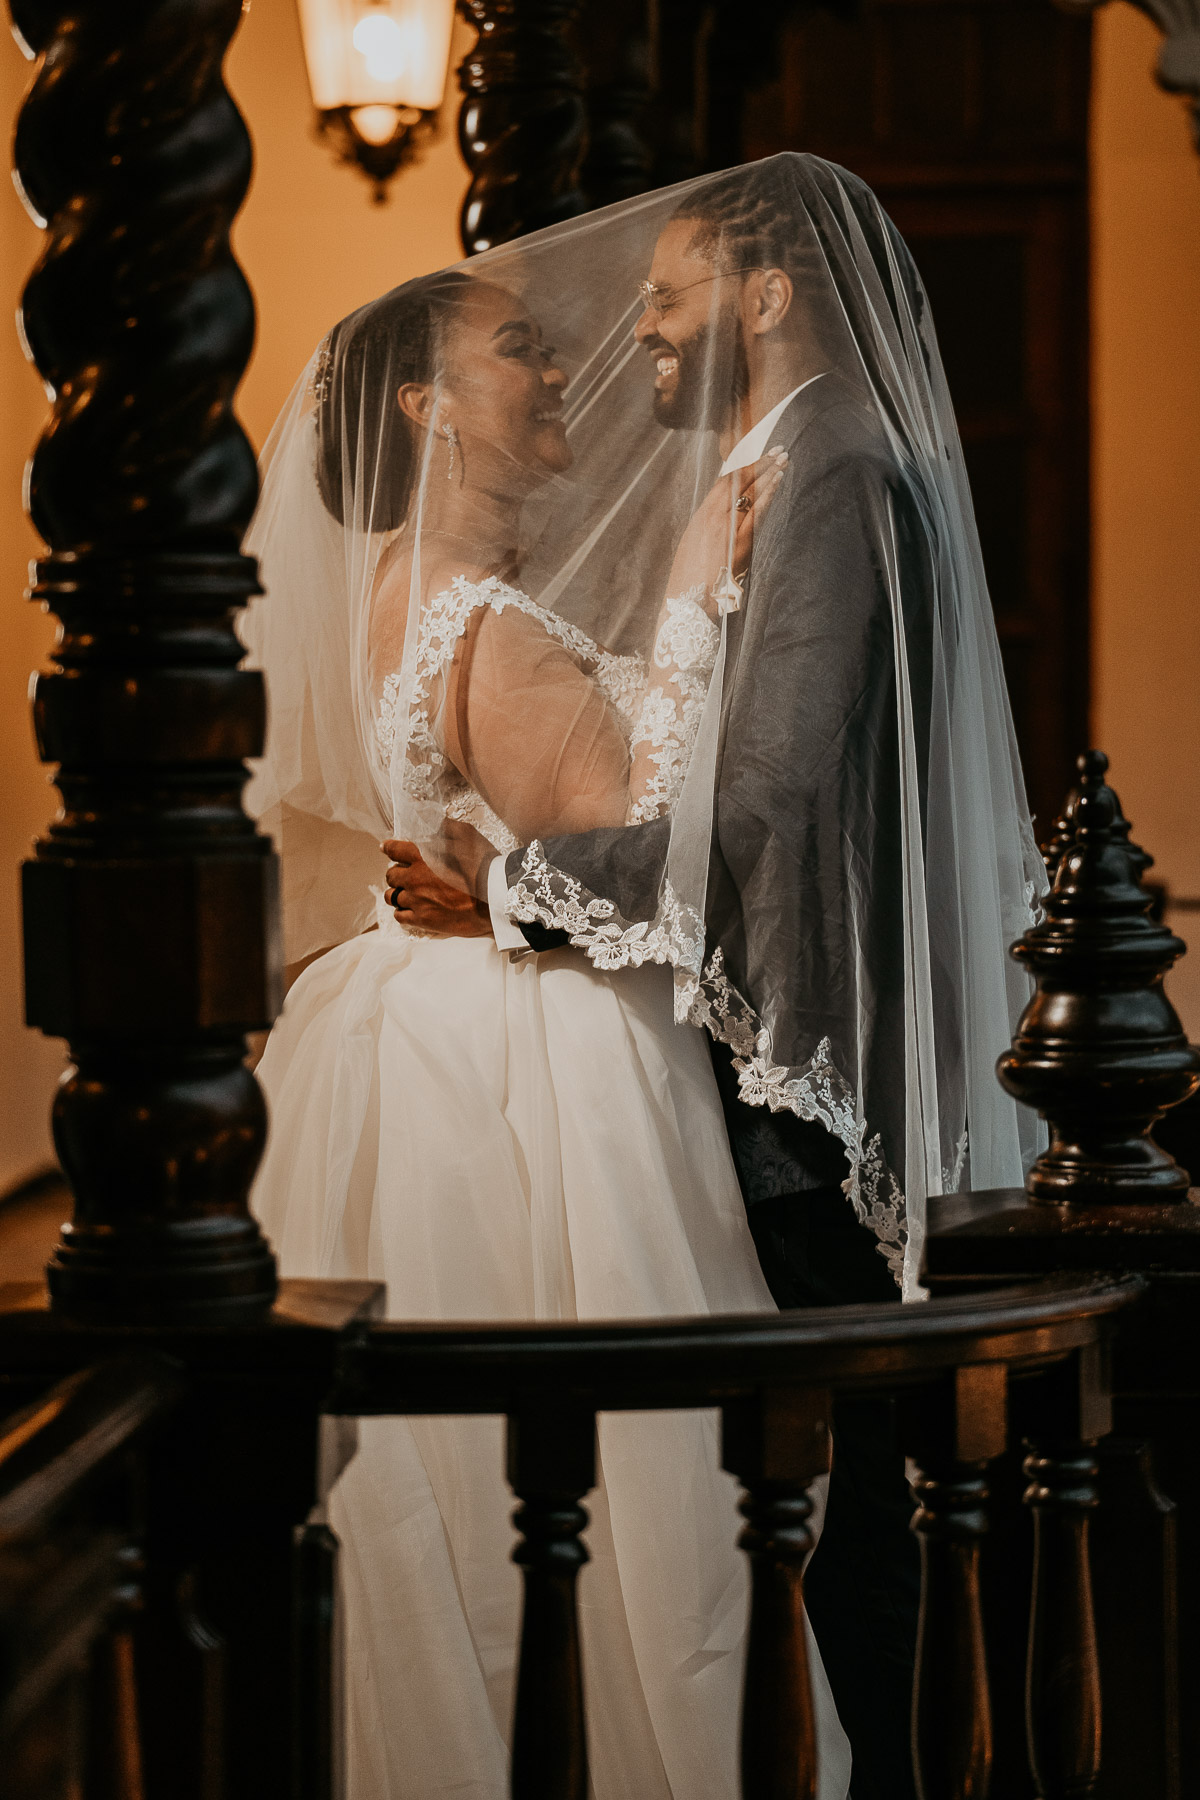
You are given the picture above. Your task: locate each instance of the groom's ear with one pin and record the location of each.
(415, 400)
(771, 298)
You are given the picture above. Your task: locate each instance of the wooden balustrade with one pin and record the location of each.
(952, 1368)
(777, 1379)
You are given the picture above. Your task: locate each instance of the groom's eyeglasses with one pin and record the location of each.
(660, 300)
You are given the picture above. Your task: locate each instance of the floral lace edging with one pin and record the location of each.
(706, 997)
(685, 651)
(545, 896)
(819, 1093)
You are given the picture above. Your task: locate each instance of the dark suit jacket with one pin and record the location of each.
(804, 890)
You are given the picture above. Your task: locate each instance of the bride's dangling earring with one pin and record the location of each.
(451, 437)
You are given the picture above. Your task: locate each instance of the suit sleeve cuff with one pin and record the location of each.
(507, 935)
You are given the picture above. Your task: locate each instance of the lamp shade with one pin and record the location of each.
(377, 70)
(377, 52)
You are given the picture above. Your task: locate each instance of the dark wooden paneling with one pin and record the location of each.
(969, 118)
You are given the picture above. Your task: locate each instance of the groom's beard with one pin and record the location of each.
(713, 378)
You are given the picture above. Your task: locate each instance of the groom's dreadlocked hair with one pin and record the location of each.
(749, 216)
(788, 212)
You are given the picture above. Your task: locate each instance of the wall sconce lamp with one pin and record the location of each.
(377, 70)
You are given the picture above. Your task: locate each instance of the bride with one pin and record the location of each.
(496, 1138)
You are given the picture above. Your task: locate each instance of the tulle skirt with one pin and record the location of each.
(520, 1139)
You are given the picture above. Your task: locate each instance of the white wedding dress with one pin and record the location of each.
(520, 1138)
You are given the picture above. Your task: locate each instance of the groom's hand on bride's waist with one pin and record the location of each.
(424, 900)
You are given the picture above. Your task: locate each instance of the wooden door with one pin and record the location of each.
(969, 119)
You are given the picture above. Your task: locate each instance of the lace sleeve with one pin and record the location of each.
(530, 726)
(664, 733)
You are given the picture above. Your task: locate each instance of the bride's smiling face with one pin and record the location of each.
(503, 392)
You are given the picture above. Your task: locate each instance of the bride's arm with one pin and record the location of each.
(533, 733)
(700, 588)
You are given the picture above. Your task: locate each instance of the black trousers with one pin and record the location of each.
(862, 1584)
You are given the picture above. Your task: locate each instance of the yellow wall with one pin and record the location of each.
(310, 237)
(1146, 449)
(315, 246)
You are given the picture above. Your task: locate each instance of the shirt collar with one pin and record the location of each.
(749, 449)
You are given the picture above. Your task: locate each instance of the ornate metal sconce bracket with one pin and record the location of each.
(1178, 68)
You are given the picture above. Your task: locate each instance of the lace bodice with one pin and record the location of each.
(684, 654)
(661, 719)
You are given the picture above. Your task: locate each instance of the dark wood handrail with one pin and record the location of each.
(777, 1379)
(54, 1447)
(394, 1367)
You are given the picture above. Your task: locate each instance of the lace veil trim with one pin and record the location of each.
(705, 996)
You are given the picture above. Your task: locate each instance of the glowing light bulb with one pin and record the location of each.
(380, 42)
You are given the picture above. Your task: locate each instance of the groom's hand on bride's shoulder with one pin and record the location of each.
(423, 900)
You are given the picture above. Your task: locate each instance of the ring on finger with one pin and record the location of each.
(743, 503)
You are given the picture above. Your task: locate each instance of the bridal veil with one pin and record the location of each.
(825, 832)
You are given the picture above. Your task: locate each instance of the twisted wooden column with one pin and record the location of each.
(149, 902)
(523, 126)
(615, 45)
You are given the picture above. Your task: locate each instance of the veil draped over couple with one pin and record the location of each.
(623, 584)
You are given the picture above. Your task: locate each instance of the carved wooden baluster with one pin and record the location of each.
(952, 1727)
(954, 1434)
(551, 1466)
(1134, 1542)
(314, 1687)
(1071, 1405)
(148, 906)
(114, 1762)
(523, 125)
(777, 1445)
(1062, 1696)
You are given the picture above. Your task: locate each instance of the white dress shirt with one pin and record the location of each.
(746, 451)
(757, 440)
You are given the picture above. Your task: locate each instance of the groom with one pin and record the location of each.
(716, 321)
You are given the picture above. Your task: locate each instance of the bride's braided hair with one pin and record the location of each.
(360, 427)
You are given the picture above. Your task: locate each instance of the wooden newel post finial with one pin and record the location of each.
(149, 903)
(1100, 1051)
(1092, 767)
